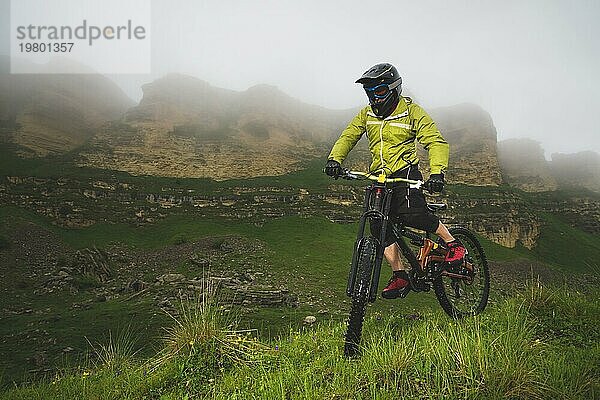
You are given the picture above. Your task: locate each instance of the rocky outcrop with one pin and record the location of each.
(56, 113)
(183, 127)
(229, 289)
(93, 262)
(512, 231)
(524, 166)
(577, 170)
(500, 215)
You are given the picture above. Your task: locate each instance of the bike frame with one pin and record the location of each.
(428, 266)
(376, 208)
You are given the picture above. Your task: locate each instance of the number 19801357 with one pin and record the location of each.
(45, 47)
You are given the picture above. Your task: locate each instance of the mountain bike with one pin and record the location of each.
(460, 290)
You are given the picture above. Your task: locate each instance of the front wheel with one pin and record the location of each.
(360, 294)
(465, 296)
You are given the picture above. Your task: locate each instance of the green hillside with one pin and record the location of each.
(299, 250)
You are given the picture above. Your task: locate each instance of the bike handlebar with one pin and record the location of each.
(381, 178)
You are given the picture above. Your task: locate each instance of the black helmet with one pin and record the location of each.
(383, 86)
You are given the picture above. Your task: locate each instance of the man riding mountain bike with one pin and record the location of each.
(392, 124)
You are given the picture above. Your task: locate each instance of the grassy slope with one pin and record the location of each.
(566, 247)
(317, 262)
(314, 266)
(539, 345)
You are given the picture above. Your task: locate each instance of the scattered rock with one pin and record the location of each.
(310, 319)
(62, 274)
(227, 247)
(171, 278)
(200, 262)
(261, 296)
(100, 298)
(40, 359)
(136, 285)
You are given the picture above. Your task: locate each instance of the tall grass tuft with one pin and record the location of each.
(201, 323)
(118, 353)
(203, 342)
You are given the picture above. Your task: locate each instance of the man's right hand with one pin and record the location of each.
(435, 183)
(333, 168)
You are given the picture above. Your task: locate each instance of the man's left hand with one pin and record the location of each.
(435, 183)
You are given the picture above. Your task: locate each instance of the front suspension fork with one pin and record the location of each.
(373, 213)
(357, 244)
(381, 247)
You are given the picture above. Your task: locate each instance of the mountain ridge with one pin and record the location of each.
(56, 113)
(525, 167)
(185, 127)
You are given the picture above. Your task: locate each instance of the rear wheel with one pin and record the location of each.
(461, 294)
(360, 294)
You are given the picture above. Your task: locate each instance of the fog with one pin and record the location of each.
(531, 64)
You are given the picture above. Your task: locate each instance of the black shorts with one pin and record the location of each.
(408, 207)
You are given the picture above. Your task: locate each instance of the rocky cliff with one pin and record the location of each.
(184, 127)
(524, 165)
(56, 113)
(577, 170)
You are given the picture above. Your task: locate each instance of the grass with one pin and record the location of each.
(317, 261)
(66, 327)
(566, 247)
(4, 243)
(511, 351)
(315, 252)
(497, 252)
(85, 282)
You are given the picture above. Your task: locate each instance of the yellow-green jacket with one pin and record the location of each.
(392, 140)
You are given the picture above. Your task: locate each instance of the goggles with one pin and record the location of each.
(381, 91)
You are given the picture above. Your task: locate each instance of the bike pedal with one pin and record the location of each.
(404, 292)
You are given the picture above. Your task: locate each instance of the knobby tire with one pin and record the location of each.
(360, 294)
(482, 273)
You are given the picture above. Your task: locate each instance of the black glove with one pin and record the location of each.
(435, 183)
(333, 168)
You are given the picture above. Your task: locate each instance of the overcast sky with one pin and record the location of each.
(533, 65)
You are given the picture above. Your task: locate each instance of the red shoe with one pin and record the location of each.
(456, 253)
(397, 282)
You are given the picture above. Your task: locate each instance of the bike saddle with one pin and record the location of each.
(433, 207)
